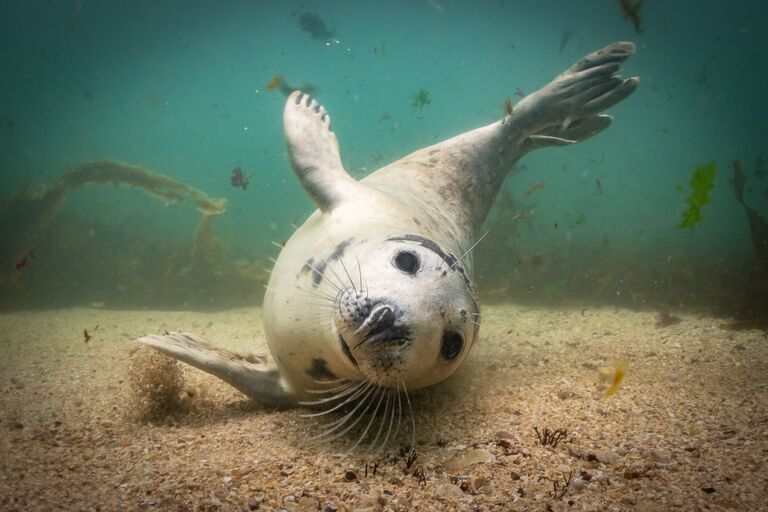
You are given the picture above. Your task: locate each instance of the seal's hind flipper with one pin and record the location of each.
(255, 380)
(569, 107)
(577, 131)
(314, 152)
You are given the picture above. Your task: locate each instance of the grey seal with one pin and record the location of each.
(373, 296)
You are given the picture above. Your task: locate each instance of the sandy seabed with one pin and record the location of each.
(687, 430)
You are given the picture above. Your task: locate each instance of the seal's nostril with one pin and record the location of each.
(381, 318)
(384, 319)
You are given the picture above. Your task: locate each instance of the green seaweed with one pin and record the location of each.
(702, 182)
(421, 99)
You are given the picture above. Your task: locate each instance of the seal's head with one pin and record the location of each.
(411, 318)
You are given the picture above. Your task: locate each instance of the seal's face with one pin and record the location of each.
(408, 317)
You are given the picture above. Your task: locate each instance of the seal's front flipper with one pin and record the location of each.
(314, 151)
(567, 110)
(255, 380)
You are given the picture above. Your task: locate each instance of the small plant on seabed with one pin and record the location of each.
(420, 476)
(559, 489)
(374, 467)
(551, 437)
(408, 455)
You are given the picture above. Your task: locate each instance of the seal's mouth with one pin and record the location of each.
(375, 332)
(347, 352)
(394, 338)
(391, 340)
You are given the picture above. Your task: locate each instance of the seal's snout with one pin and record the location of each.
(379, 333)
(372, 329)
(381, 318)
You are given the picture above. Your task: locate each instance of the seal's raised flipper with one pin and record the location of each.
(314, 151)
(567, 110)
(254, 380)
(577, 131)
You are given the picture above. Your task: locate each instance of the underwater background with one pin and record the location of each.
(193, 90)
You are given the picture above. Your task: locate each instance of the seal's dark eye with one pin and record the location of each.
(451, 345)
(407, 261)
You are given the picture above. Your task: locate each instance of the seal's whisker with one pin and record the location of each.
(363, 284)
(440, 263)
(399, 410)
(380, 392)
(395, 394)
(322, 305)
(470, 249)
(316, 323)
(354, 391)
(389, 408)
(328, 304)
(314, 293)
(360, 274)
(413, 420)
(344, 419)
(384, 416)
(323, 295)
(324, 391)
(335, 285)
(368, 403)
(334, 381)
(290, 279)
(339, 279)
(341, 260)
(315, 326)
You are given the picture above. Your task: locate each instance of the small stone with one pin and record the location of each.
(448, 491)
(253, 504)
(662, 459)
(330, 508)
(607, 457)
(578, 484)
(478, 483)
(633, 473)
(459, 462)
(307, 503)
(503, 434)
